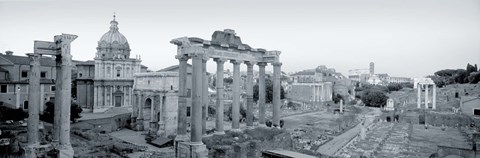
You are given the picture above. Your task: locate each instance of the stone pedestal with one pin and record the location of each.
(65, 151)
(191, 150)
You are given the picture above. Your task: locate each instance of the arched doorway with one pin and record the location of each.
(147, 113)
(389, 119)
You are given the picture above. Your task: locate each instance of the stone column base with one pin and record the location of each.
(191, 150)
(236, 130)
(65, 151)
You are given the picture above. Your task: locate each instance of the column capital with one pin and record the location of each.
(277, 64)
(236, 62)
(182, 57)
(34, 58)
(262, 64)
(250, 63)
(220, 60)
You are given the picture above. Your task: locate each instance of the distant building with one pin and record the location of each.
(114, 71)
(313, 85)
(14, 75)
(470, 105)
(369, 76)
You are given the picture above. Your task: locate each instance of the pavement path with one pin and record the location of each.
(334, 145)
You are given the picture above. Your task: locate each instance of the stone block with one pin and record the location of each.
(191, 150)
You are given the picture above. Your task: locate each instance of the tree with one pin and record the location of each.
(474, 77)
(374, 98)
(49, 113)
(268, 90)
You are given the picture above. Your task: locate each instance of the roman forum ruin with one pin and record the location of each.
(424, 83)
(224, 46)
(60, 48)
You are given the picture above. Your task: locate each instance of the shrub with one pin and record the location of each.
(12, 114)
(49, 113)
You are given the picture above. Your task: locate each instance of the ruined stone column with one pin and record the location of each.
(236, 95)
(419, 95)
(141, 103)
(58, 101)
(204, 95)
(182, 98)
(261, 92)
(249, 93)
(34, 105)
(219, 85)
(426, 96)
(196, 108)
(276, 93)
(434, 97)
(65, 149)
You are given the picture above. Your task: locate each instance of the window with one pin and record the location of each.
(118, 73)
(24, 74)
(80, 74)
(188, 111)
(476, 112)
(52, 88)
(3, 88)
(43, 74)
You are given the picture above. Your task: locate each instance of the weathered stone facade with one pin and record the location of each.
(156, 102)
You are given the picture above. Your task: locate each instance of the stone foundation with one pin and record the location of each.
(191, 150)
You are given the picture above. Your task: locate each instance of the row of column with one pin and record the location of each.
(200, 95)
(434, 95)
(101, 93)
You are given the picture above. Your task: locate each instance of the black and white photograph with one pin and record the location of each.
(239, 79)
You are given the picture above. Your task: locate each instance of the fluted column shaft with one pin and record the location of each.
(276, 93)
(249, 93)
(236, 95)
(261, 92)
(220, 90)
(182, 95)
(204, 95)
(196, 108)
(33, 101)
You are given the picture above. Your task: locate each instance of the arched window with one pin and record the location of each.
(118, 72)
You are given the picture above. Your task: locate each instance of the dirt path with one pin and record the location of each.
(334, 145)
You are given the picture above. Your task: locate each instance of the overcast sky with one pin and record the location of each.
(403, 37)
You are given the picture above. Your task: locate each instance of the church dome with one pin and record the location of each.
(113, 45)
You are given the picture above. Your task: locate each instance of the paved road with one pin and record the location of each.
(334, 145)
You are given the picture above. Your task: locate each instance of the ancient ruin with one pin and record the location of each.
(224, 46)
(60, 48)
(424, 83)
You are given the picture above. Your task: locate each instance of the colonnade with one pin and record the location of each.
(200, 94)
(434, 95)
